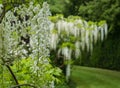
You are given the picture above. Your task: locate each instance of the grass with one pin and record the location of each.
(86, 77)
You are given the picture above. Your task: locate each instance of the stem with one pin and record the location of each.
(24, 85)
(13, 75)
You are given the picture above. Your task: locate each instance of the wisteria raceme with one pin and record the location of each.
(66, 52)
(40, 37)
(54, 40)
(77, 50)
(9, 36)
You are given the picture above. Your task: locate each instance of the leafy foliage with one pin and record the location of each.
(99, 10)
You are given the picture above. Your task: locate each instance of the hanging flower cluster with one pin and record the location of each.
(86, 34)
(74, 35)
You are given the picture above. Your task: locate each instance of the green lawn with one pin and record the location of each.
(86, 77)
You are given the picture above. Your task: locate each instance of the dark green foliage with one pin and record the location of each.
(106, 54)
(74, 6)
(58, 6)
(108, 10)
